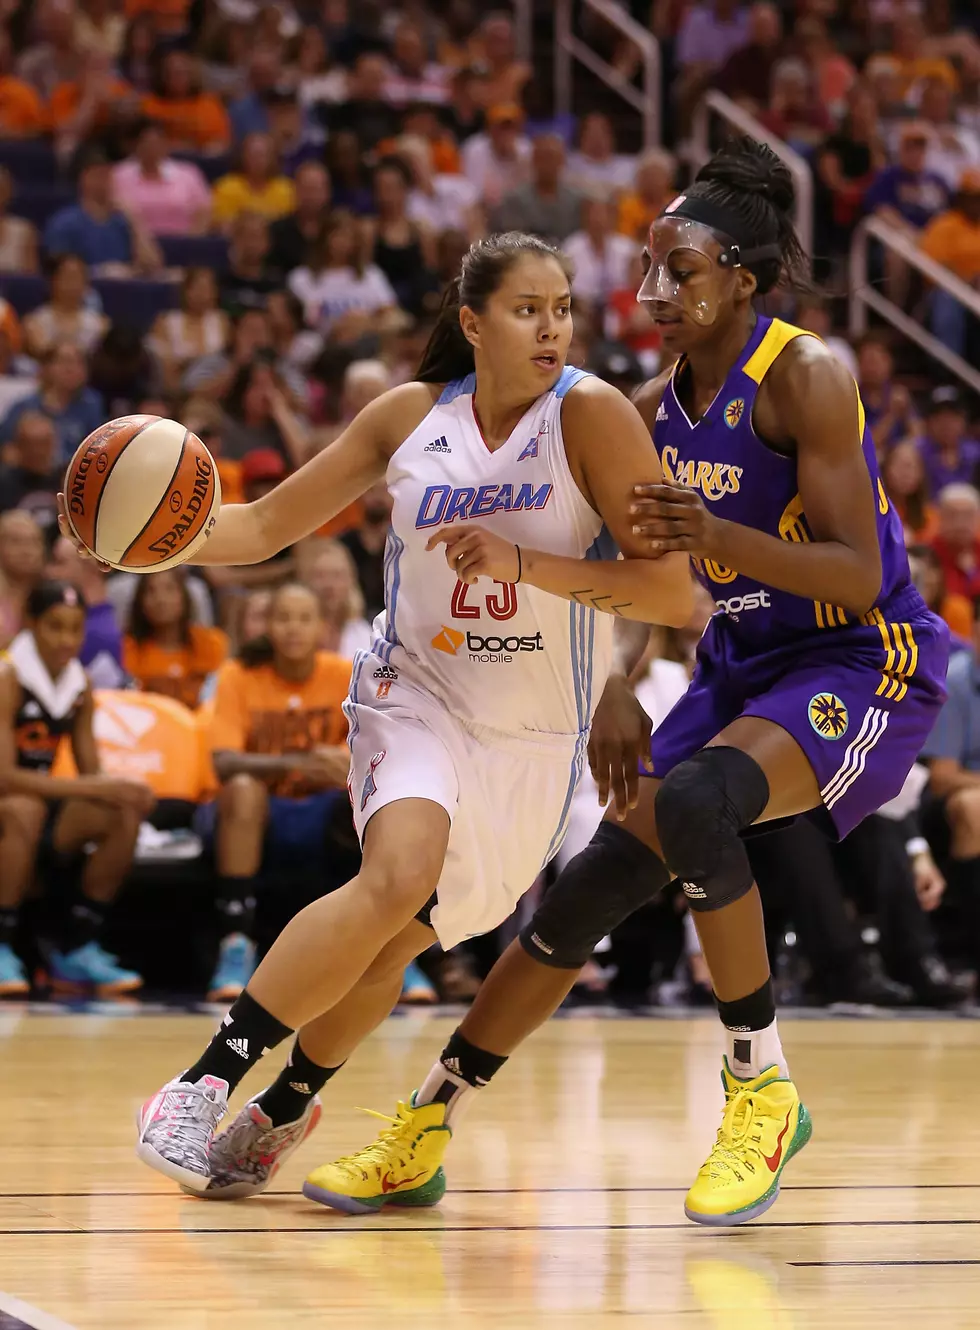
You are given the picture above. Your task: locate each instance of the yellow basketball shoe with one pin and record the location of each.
(763, 1127)
(402, 1167)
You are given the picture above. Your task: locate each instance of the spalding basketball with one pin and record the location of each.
(142, 493)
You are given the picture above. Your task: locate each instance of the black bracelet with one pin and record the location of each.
(520, 563)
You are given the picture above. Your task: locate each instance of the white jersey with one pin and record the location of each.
(509, 657)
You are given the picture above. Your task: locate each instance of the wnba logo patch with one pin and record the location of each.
(734, 411)
(370, 785)
(828, 715)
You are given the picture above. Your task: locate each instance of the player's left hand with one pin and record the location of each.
(929, 882)
(670, 517)
(619, 742)
(472, 552)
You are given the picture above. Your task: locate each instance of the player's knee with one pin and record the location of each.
(398, 886)
(244, 798)
(702, 806)
(613, 876)
(23, 816)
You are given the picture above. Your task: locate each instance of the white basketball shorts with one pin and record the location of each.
(508, 797)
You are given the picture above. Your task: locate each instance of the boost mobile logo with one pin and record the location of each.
(489, 650)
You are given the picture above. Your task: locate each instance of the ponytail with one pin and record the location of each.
(447, 355)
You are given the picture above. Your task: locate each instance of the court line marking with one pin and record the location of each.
(30, 1318)
(524, 1191)
(810, 1264)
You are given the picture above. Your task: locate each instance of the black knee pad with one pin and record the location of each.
(613, 876)
(702, 806)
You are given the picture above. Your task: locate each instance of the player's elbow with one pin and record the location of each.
(675, 605)
(863, 588)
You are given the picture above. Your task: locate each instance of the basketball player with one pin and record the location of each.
(816, 685)
(469, 718)
(45, 697)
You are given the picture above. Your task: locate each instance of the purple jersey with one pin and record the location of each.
(742, 480)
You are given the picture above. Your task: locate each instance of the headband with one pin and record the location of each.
(740, 252)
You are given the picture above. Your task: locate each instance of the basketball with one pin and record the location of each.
(142, 493)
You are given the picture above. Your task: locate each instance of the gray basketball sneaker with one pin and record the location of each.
(176, 1127)
(246, 1157)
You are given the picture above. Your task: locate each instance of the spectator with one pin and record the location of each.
(18, 238)
(64, 397)
(95, 229)
(746, 75)
(846, 164)
(56, 58)
(596, 165)
(366, 543)
(813, 314)
(198, 329)
(930, 582)
(21, 111)
(251, 340)
(250, 276)
(707, 35)
(403, 250)
(365, 111)
(21, 566)
(124, 373)
(497, 160)
(546, 206)
(601, 256)
(249, 114)
(464, 115)
(653, 188)
(795, 115)
(881, 74)
(350, 185)
(364, 382)
(342, 298)
(278, 743)
(329, 571)
(257, 187)
(293, 235)
(832, 73)
(164, 650)
(101, 650)
(888, 406)
(29, 477)
(428, 123)
(439, 201)
(259, 419)
(628, 324)
(957, 541)
(318, 78)
(71, 314)
(911, 50)
(903, 474)
(502, 76)
(954, 147)
(18, 376)
(295, 346)
(413, 77)
(166, 197)
(170, 16)
(93, 103)
(194, 121)
(906, 196)
(100, 29)
(252, 617)
(91, 812)
(952, 238)
(296, 137)
(950, 456)
(136, 63)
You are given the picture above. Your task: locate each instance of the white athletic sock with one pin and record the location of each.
(750, 1052)
(442, 1086)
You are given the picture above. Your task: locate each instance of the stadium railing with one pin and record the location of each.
(569, 47)
(699, 149)
(864, 297)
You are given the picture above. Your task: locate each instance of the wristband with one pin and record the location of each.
(520, 563)
(917, 845)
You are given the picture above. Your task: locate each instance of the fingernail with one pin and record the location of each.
(637, 531)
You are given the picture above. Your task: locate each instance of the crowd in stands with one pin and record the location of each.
(242, 215)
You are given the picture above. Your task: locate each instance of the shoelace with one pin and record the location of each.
(197, 1114)
(734, 1131)
(252, 1153)
(378, 1151)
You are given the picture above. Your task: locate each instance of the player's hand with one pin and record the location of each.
(619, 743)
(929, 882)
(123, 793)
(670, 517)
(472, 552)
(65, 527)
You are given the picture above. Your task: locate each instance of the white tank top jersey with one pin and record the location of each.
(508, 657)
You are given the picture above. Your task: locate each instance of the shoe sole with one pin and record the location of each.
(804, 1130)
(72, 988)
(431, 1193)
(186, 1177)
(227, 994)
(240, 1191)
(14, 988)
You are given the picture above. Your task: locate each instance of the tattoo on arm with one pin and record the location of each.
(585, 597)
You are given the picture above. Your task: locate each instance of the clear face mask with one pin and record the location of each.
(697, 286)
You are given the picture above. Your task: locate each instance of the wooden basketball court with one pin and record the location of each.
(567, 1182)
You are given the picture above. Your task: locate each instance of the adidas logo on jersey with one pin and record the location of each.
(661, 412)
(239, 1046)
(386, 672)
(438, 446)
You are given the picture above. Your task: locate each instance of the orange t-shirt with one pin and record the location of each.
(21, 111)
(634, 216)
(258, 711)
(958, 613)
(953, 240)
(66, 97)
(176, 672)
(197, 121)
